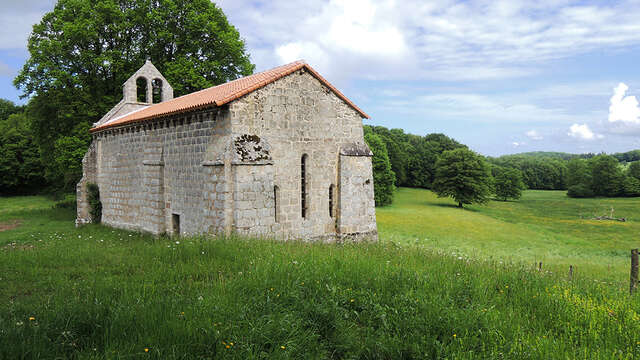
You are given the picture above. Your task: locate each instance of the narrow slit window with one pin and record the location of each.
(276, 205)
(303, 186)
(331, 200)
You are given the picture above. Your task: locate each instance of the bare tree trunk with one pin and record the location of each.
(460, 204)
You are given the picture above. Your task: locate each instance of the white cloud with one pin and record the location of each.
(476, 108)
(516, 144)
(623, 108)
(17, 19)
(445, 40)
(533, 135)
(582, 132)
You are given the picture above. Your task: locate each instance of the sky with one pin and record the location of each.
(499, 76)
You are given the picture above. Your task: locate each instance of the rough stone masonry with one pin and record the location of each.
(277, 154)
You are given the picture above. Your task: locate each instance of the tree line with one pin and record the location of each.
(436, 162)
(408, 160)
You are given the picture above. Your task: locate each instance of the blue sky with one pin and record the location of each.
(500, 76)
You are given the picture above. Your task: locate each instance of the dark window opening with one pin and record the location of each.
(331, 200)
(175, 219)
(303, 186)
(275, 203)
(141, 88)
(156, 86)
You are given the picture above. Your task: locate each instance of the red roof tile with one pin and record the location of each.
(220, 95)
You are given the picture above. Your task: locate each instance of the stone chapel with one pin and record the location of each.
(278, 154)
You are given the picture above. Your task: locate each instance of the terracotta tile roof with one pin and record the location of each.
(220, 95)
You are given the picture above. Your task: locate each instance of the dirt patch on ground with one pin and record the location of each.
(8, 225)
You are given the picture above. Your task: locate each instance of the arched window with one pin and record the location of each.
(331, 200)
(276, 204)
(156, 86)
(303, 186)
(141, 87)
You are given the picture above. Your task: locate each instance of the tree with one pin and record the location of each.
(607, 178)
(578, 172)
(383, 176)
(20, 165)
(462, 175)
(7, 108)
(508, 184)
(631, 186)
(83, 50)
(634, 170)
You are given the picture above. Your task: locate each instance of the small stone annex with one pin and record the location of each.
(277, 154)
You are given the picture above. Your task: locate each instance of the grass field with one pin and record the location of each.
(97, 293)
(544, 226)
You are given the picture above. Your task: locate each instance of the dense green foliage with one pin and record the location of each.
(601, 175)
(95, 205)
(20, 165)
(97, 292)
(629, 156)
(413, 157)
(383, 177)
(507, 183)
(83, 51)
(539, 171)
(464, 176)
(634, 169)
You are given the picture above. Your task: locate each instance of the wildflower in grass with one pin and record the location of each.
(19, 323)
(455, 336)
(352, 300)
(283, 347)
(146, 350)
(31, 318)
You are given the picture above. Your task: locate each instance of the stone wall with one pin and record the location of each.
(357, 216)
(298, 115)
(147, 173)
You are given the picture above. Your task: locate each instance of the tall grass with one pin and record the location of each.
(96, 292)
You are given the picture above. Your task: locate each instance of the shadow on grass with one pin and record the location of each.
(450, 206)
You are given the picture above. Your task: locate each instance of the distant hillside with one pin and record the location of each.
(629, 156)
(549, 155)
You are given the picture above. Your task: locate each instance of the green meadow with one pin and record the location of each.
(543, 226)
(442, 283)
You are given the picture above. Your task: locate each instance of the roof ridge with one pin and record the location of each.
(222, 94)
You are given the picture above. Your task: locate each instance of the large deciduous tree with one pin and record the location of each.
(82, 52)
(462, 175)
(508, 183)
